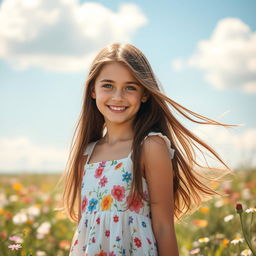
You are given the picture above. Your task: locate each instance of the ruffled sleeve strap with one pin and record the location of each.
(167, 141)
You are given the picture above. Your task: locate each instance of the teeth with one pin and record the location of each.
(117, 108)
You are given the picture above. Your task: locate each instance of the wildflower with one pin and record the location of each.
(237, 240)
(195, 251)
(225, 242)
(203, 240)
(20, 218)
(16, 239)
(239, 208)
(33, 211)
(40, 253)
(204, 210)
(249, 210)
(200, 223)
(17, 186)
(246, 252)
(228, 218)
(15, 247)
(43, 229)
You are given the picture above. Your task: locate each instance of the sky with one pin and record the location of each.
(202, 52)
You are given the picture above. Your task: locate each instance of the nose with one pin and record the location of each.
(117, 94)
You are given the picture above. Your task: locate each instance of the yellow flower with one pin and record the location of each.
(225, 242)
(204, 209)
(17, 186)
(203, 240)
(106, 202)
(200, 223)
(1, 211)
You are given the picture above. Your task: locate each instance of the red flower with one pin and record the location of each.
(137, 242)
(107, 233)
(118, 192)
(98, 172)
(84, 203)
(93, 240)
(76, 242)
(103, 181)
(239, 208)
(102, 253)
(98, 220)
(136, 204)
(116, 218)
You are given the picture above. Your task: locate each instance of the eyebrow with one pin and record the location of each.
(111, 81)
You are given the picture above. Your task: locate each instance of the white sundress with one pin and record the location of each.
(106, 227)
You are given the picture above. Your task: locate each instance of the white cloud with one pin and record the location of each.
(22, 154)
(62, 35)
(235, 148)
(228, 57)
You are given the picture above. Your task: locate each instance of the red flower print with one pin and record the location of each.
(112, 254)
(118, 166)
(107, 233)
(98, 220)
(98, 172)
(115, 218)
(76, 242)
(103, 181)
(136, 204)
(93, 240)
(84, 203)
(102, 253)
(118, 192)
(149, 241)
(137, 242)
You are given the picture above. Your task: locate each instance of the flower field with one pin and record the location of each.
(30, 226)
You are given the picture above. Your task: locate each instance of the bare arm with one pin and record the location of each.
(159, 174)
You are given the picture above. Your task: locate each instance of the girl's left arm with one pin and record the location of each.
(157, 164)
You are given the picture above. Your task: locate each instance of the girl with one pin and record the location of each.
(132, 171)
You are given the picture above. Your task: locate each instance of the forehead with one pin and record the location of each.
(116, 71)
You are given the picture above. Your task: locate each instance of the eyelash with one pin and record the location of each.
(106, 86)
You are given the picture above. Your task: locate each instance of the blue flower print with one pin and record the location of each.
(143, 223)
(127, 177)
(92, 204)
(130, 220)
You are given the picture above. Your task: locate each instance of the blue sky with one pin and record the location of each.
(203, 53)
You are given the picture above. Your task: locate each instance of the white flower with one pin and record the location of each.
(15, 247)
(237, 240)
(43, 229)
(13, 198)
(228, 218)
(3, 200)
(246, 194)
(219, 203)
(246, 252)
(40, 253)
(33, 211)
(249, 210)
(20, 218)
(203, 240)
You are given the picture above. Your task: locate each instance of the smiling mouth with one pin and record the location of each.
(117, 108)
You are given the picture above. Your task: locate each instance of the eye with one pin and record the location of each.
(107, 85)
(131, 88)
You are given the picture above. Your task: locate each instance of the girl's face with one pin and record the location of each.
(118, 94)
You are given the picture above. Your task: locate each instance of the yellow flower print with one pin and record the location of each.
(106, 202)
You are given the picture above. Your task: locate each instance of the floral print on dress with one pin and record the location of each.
(106, 226)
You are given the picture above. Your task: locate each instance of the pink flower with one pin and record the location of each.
(115, 218)
(103, 181)
(194, 251)
(14, 247)
(16, 239)
(118, 192)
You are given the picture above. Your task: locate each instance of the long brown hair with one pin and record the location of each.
(190, 185)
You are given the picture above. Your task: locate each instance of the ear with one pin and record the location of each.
(93, 94)
(144, 98)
